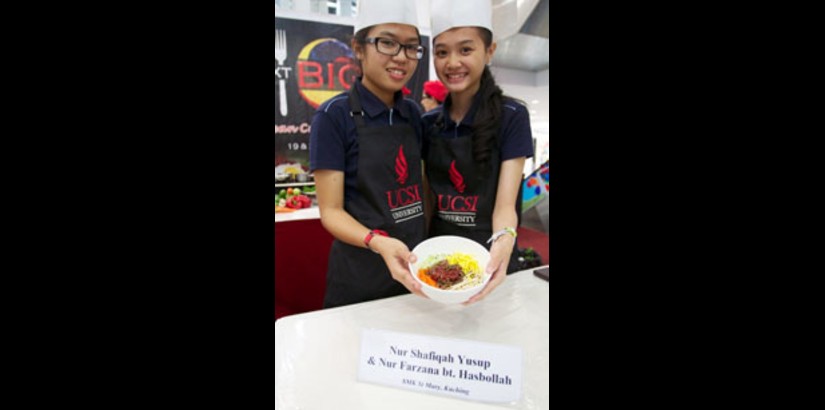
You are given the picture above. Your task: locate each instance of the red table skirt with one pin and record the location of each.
(301, 255)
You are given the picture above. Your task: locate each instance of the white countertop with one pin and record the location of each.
(316, 353)
(299, 215)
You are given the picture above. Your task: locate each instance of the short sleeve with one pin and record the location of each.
(326, 143)
(517, 136)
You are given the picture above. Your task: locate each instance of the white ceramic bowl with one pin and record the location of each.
(445, 245)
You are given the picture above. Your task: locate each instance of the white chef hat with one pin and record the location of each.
(446, 14)
(373, 12)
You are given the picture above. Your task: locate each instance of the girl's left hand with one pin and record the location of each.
(499, 259)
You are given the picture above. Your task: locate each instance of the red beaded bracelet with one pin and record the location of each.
(372, 233)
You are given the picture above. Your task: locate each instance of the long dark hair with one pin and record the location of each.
(487, 118)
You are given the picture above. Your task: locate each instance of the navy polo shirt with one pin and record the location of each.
(515, 135)
(333, 143)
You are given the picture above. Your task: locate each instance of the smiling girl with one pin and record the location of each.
(476, 142)
(366, 158)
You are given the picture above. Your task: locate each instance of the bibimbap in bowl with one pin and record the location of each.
(450, 268)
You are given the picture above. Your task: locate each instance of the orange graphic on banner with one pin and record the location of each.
(325, 69)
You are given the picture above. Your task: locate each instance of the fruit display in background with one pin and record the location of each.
(299, 202)
(294, 198)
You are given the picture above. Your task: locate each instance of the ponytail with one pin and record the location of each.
(488, 118)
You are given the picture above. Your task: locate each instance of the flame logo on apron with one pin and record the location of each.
(456, 178)
(401, 166)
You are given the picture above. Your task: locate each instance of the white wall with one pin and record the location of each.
(534, 90)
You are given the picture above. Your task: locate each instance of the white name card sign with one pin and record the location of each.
(461, 368)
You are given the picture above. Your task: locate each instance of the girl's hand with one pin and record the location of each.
(397, 257)
(499, 259)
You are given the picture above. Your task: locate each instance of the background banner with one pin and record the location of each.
(535, 186)
(313, 63)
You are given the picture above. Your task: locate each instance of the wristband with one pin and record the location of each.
(369, 236)
(506, 230)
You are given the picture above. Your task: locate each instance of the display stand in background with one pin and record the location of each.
(534, 194)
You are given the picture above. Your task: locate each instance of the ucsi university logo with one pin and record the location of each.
(456, 178)
(401, 169)
(458, 209)
(404, 202)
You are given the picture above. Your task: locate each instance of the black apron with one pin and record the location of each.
(465, 193)
(389, 198)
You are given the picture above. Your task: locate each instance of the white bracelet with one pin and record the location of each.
(508, 229)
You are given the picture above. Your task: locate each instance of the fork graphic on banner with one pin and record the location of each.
(280, 55)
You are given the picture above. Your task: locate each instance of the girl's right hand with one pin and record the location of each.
(398, 257)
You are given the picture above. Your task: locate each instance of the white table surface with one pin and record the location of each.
(316, 353)
(312, 212)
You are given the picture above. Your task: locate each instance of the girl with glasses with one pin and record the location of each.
(366, 158)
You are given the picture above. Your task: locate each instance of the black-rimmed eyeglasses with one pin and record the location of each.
(391, 47)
